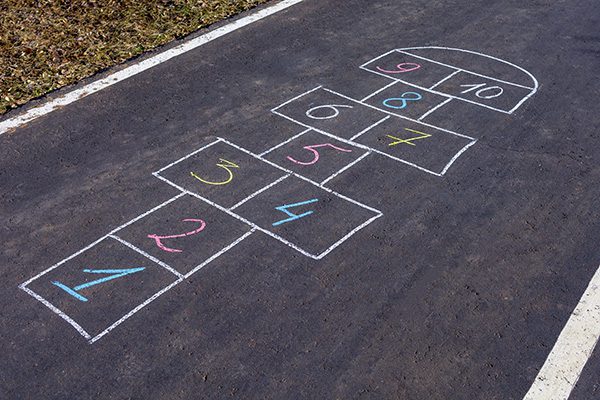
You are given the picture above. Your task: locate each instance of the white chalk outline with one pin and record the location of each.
(395, 82)
(259, 191)
(179, 278)
(147, 255)
(64, 260)
(466, 70)
(57, 311)
(404, 51)
(169, 287)
(143, 65)
(62, 314)
(326, 179)
(367, 129)
(189, 155)
(573, 348)
(346, 167)
(444, 79)
(362, 146)
(296, 97)
(264, 153)
(135, 310)
(220, 253)
(431, 110)
(112, 235)
(266, 231)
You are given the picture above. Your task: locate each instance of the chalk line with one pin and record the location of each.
(255, 226)
(57, 311)
(443, 103)
(303, 177)
(468, 71)
(131, 221)
(141, 66)
(363, 66)
(367, 129)
(238, 217)
(345, 168)
(297, 97)
(444, 79)
(172, 285)
(148, 256)
(264, 153)
(456, 156)
(362, 146)
(189, 155)
(400, 116)
(259, 191)
(221, 252)
(358, 228)
(135, 310)
(64, 260)
(574, 347)
(380, 90)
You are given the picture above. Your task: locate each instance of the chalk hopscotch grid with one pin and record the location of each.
(180, 277)
(457, 70)
(289, 173)
(62, 314)
(171, 286)
(266, 231)
(370, 149)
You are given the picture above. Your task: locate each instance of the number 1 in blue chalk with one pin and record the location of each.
(116, 273)
(293, 216)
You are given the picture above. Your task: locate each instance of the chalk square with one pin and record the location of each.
(200, 231)
(425, 146)
(97, 307)
(327, 219)
(500, 95)
(409, 69)
(222, 174)
(323, 110)
(405, 100)
(315, 156)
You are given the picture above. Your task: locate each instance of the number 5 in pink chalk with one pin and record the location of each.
(312, 149)
(158, 239)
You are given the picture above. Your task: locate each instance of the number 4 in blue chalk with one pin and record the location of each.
(292, 216)
(116, 273)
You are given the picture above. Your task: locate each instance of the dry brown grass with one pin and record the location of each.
(47, 44)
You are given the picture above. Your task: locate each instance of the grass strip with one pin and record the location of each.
(47, 44)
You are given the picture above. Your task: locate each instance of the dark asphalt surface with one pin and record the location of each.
(458, 292)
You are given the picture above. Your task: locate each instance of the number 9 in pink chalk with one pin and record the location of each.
(402, 68)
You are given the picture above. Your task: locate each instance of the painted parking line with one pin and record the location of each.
(574, 347)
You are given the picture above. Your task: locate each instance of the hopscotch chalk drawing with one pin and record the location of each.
(100, 286)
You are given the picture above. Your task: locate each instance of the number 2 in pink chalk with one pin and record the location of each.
(158, 239)
(402, 68)
(312, 148)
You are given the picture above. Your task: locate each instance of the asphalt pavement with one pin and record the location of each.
(343, 200)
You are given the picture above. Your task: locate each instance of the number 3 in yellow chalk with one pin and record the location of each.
(227, 166)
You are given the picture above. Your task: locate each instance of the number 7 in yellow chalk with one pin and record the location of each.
(422, 135)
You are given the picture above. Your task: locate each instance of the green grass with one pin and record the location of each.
(47, 44)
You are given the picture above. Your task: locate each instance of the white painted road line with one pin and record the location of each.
(141, 66)
(574, 346)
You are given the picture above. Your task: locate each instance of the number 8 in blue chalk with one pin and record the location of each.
(402, 99)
